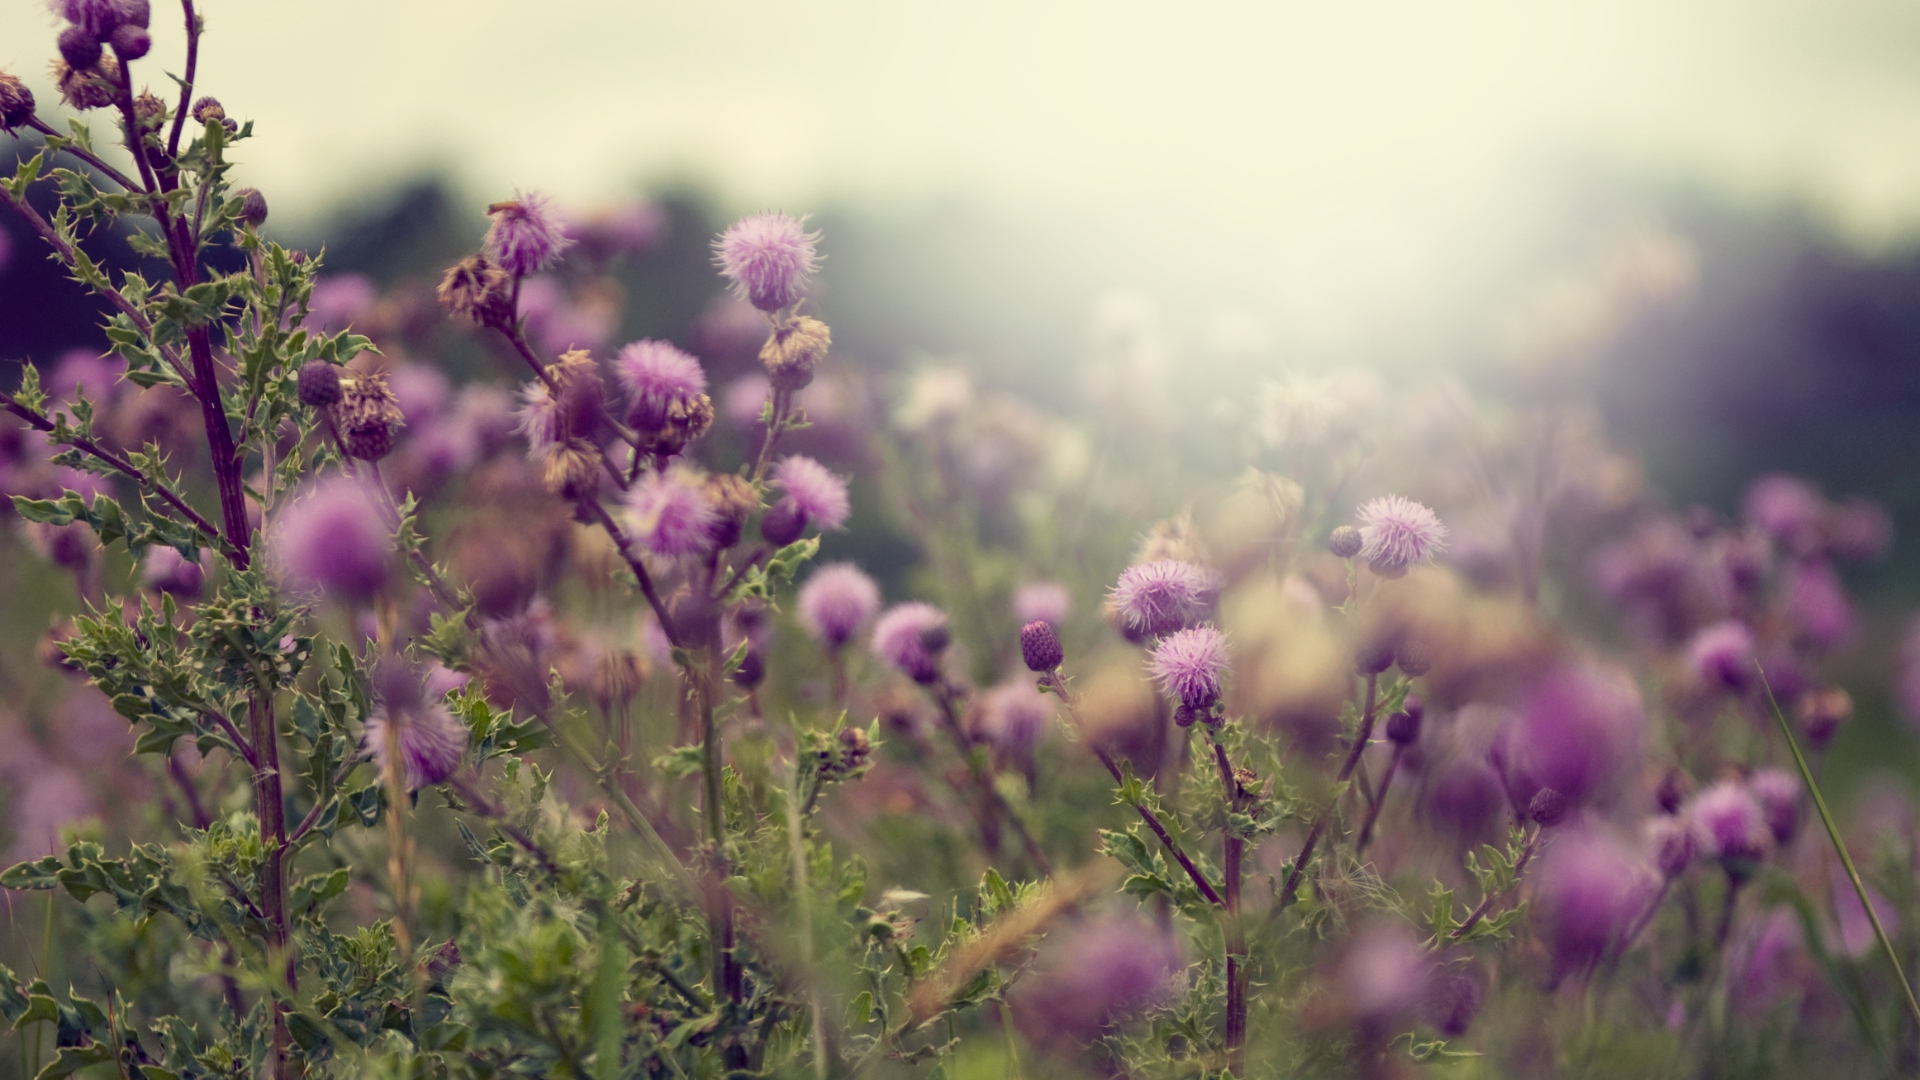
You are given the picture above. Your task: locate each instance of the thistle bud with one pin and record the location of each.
(795, 348)
(151, 112)
(16, 102)
(1414, 707)
(1548, 807)
(369, 417)
(751, 671)
(131, 42)
(253, 207)
(1184, 715)
(855, 747)
(79, 48)
(319, 384)
(572, 470)
(1373, 657)
(208, 110)
(1413, 658)
(1344, 541)
(1403, 728)
(783, 524)
(1040, 646)
(477, 290)
(136, 13)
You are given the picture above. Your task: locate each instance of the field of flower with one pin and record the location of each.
(415, 679)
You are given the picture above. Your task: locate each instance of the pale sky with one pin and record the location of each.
(1340, 149)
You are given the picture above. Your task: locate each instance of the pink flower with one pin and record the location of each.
(1578, 731)
(1014, 716)
(1093, 974)
(911, 637)
(1157, 598)
(671, 513)
(836, 601)
(657, 376)
(1730, 822)
(525, 237)
(1188, 665)
(1590, 889)
(431, 742)
(1397, 533)
(1042, 601)
(769, 258)
(1721, 655)
(816, 493)
(333, 539)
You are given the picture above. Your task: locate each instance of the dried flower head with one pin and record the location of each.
(657, 376)
(795, 348)
(671, 513)
(478, 290)
(16, 102)
(769, 258)
(369, 416)
(93, 87)
(1188, 664)
(1822, 711)
(836, 602)
(1157, 598)
(819, 495)
(911, 637)
(525, 237)
(572, 470)
(332, 539)
(1397, 534)
(735, 500)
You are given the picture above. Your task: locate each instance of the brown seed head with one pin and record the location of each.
(686, 421)
(795, 348)
(369, 417)
(88, 88)
(573, 470)
(737, 501)
(479, 291)
(16, 102)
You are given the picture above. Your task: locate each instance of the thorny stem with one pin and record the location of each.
(1485, 906)
(1233, 849)
(1360, 739)
(776, 423)
(186, 81)
(1053, 681)
(173, 498)
(1840, 847)
(991, 799)
(639, 569)
(271, 808)
(1379, 799)
(87, 156)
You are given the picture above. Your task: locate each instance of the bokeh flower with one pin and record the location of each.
(671, 514)
(836, 602)
(332, 538)
(1157, 598)
(1046, 601)
(911, 637)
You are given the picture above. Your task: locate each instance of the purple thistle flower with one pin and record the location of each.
(836, 602)
(332, 539)
(525, 236)
(1721, 655)
(1789, 509)
(1381, 975)
(1817, 606)
(1014, 716)
(1093, 975)
(1463, 799)
(1578, 730)
(1590, 889)
(671, 513)
(816, 493)
(911, 637)
(1157, 598)
(338, 301)
(1188, 665)
(769, 258)
(657, 376)
(1730, 822)
(540, 418)
(431, 742)
(1042, 601)
(1397, 533)
(1778, 793)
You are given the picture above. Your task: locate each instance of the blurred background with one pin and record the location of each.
(1409, 188)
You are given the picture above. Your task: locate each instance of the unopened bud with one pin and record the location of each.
(79, 48)
(319, 384)
(751, 671)
(208, 110)
(16, 102)
(783, 524)
(1548, 807)
(1040, 646)
(131, 42)
(1373, 657)
(795, 348)
(1414, 707)
(86, 88)
(1185, 715)
(1413, 658)
(1344, 541)
(479, 291)
(1403, 728)
(253, 206)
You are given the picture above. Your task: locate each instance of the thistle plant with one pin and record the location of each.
(507, 726)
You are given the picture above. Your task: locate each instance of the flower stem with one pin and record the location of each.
(1840, 847)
